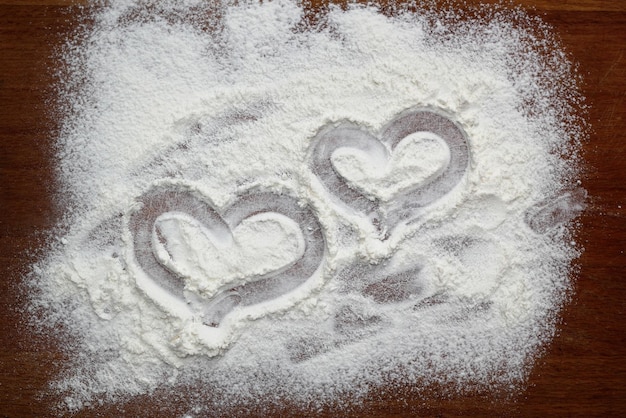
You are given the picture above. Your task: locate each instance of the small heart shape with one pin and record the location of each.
(152, 252)
(416, 160)
(402, 144)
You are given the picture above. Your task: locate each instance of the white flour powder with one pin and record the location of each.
(275, 210)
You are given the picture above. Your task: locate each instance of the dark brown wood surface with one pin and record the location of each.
(583, 372)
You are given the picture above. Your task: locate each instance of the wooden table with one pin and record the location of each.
(583, 372)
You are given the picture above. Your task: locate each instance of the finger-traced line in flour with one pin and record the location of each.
(168, 199)
(382, 284)
(374, 292)
(348, 325)
(359, 284)
(555, 212)
(388, 287)
(203, 130)
(420, 130)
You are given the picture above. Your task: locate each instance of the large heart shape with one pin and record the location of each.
(259, 245)
(179, 199)
(447, 171)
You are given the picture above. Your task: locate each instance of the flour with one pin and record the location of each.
(418, 159)
(285, 212)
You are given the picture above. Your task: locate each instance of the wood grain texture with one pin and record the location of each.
(583, 372)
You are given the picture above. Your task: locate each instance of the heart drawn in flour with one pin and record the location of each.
(417, 159)
(421, 155)
(259, 245)
(169, 212)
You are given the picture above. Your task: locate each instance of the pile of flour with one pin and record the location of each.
(212, 104)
